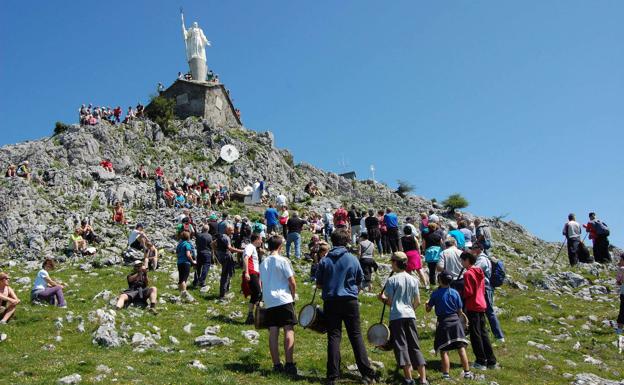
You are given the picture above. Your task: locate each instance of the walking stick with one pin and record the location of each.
(559, 252)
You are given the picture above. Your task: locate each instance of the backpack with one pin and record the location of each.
(458, 283)
(583, 254)
(601, 228)
(498, 275)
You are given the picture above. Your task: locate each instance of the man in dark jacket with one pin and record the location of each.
(204, 256)
(160, 191)
(339, 275)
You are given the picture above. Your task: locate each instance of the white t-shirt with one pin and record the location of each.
(252, 263)
(275, 271)
(280, 200)
(40, 280)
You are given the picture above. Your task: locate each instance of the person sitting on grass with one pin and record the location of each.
(47, 289)
(119, 217)
(76, 243)
(87, 232)
(137, 238)
(449, 333)
(279, 287)
(8, 299)
(141, 172)
(138, 289)
(150, 259)
(401, 293)
(23, 170)
(11, 171)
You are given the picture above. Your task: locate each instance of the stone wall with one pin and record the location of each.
(208, 101)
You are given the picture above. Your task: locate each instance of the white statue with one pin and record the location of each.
(195, 42)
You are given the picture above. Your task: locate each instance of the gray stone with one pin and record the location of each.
(592, 379)
(69, 380)
(196, 364)
(210, 340)
(524, 319)
(106, 336)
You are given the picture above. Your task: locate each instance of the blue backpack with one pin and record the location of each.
(498, 274)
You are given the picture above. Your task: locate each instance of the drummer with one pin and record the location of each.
(278, 283)
(339, 275)
(402, 295)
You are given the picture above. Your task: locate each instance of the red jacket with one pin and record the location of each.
(474, 290)
(590, 229)
(341, 217)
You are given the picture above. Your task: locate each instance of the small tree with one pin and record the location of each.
(455, 201)
(404, 188)
(161, 111)
(60, 127)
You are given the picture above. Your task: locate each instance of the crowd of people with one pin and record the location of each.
(452, 260)
(92, 115)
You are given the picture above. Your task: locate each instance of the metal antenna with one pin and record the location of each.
(372, 169)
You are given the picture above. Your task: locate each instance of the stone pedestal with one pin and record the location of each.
(198, 69)
(203, 99)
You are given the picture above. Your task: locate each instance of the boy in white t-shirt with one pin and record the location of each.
(278, 282)
(251, 271)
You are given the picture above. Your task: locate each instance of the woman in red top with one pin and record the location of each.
(118, 214)
(474, 298)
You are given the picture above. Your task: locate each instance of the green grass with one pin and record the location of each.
(24, 361)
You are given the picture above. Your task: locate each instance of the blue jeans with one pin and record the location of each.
(201, 272)
(296, 238)
(489, 312)
(328, 231)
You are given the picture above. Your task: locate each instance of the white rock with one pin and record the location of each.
(591, 360)
(213, 330)
(174, 340)
(187, 328)
(539, 346)
(22, 281)
(103, 369)
(208, 340)
(251, 335)
(3, 337)
(197, 365)
(71, 379)
(524, 319)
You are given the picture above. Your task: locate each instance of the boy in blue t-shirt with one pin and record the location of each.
(450, 334)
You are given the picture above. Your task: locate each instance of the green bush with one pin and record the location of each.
(288, 158)
(455, 201)
(60, 127)
(161, 111)
(404, 188)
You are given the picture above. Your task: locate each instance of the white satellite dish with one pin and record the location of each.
(229, 153)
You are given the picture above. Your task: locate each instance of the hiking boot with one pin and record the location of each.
(468, 375)
(478, 366)
(494, 366)
(291, 369)
(153, 310)
(409, 382)
(250, 321)
(278, 368)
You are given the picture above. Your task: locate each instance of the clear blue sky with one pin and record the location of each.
(516, 105)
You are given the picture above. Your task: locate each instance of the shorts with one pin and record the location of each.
(138, 295)
(405, 342)
(184, 270)
(280, 316)
(254, 286)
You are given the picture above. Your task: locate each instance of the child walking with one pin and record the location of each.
(620, 281)
(474, 296)
(449, 333)
(401, 293)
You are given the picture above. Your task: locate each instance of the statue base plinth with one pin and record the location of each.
(198, 69)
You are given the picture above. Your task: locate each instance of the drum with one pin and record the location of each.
(378, 335)
(260, 318)
(312, 317)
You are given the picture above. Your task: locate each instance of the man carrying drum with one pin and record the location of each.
(339, 275)
(402, 294)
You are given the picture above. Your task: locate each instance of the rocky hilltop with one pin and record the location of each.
(557, 341)
(68, 183)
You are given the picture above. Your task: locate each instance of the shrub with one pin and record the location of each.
(455, 201)
(60, 127)
(288, 158)
(161, 111)
(404, 188)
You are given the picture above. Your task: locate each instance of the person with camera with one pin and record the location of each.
(138, 290)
